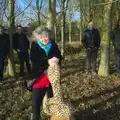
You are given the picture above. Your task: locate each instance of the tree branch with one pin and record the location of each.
(24, 9)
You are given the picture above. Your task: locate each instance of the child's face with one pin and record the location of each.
(44, 38)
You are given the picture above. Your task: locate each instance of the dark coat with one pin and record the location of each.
(4, 45)
(91, 38)
(115, 36)
(20, 41)
(40, 59)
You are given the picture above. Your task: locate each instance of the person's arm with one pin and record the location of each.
(112, 38)
(55, 52)
(84, 40)
(27, 41)
(56, 56)
(15, 42)
(98, 39)
(8, 45)
(39, 63)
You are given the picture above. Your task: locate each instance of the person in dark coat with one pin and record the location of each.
(21, 45)
(4, 50)
(91, 42)
(43, 52)
(115, 36)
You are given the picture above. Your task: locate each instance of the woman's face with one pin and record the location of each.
(43, 38)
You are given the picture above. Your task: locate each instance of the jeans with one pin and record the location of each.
(91, 59)
(24, 57)
(1, 67)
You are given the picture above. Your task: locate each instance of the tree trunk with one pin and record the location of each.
(51, 14)
(62, 27)
(55, 31)
(81, 20)
(81, 31)
(119, 11)
(38, 11)
(38, 7)
(50, 25)
(70, 29)
(11, 68)
(105, 53)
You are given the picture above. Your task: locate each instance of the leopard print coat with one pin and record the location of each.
(57, 106)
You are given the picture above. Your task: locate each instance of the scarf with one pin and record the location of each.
(46, 48)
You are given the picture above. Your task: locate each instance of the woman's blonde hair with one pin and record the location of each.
(39, 31)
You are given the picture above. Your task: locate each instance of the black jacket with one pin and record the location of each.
(91, 38)
(4, 45)
(20, 41)
(40, 59)
(115, 36)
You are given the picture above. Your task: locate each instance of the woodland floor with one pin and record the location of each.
(93, 97)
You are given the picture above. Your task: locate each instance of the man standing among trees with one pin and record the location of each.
(21, 45)
(4, 50)
(91, 41)
(116, 44)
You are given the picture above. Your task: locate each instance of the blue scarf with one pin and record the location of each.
(46, 48)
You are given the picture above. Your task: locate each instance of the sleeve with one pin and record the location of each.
(112, 38)
(56, 52)
(33, 52)
(38, 62)
(27, 42)
(84, 39)
(35, 66)
(15, 41)
(7, 51)
(8, 45)
(98, 39)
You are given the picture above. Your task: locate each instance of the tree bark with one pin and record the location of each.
(11, 68)
(105, 53)
(51, 14)
(38, 7)
(62, 27)
(70, 29)
(50, 25)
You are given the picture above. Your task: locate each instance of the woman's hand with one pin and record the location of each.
(53, 61)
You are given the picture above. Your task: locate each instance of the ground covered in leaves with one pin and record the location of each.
(92, 97)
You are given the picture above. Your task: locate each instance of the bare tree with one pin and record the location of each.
(11, 4)
(39, 7)
(105, 53)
